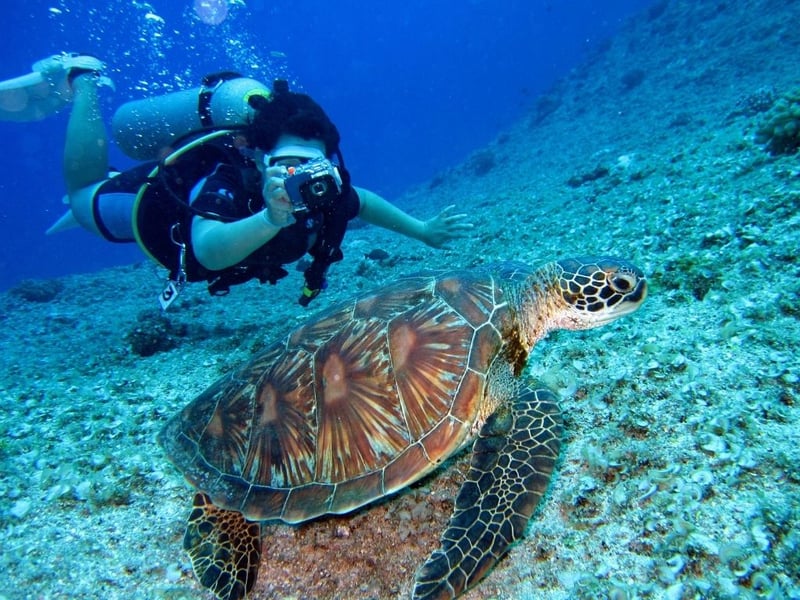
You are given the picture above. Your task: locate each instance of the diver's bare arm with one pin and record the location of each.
(219, 245)
(435, 232)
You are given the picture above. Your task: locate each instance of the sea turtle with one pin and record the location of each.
(371, 395)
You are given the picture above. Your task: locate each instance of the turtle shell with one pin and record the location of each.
(356, 404)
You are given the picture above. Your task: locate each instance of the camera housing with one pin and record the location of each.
(313, 185)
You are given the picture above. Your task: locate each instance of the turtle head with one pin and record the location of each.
(597, 290)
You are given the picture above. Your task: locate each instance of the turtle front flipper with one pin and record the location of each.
(511, 465)
(225, 549)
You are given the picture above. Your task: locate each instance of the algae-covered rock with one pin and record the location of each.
(154, 332)
(37, 290)
(779, 129)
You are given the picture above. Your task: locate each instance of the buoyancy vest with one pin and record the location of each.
(162, 217)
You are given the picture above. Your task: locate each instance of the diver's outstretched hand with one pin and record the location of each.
(445, 227)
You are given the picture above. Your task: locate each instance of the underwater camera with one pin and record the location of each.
(315, 184)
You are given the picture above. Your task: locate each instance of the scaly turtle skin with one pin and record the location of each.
(371, 395)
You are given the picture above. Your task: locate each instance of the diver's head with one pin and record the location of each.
(291, 150)
(286, 113)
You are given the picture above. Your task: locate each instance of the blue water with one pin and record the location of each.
(413, 86)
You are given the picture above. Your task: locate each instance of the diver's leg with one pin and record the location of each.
(86, 149)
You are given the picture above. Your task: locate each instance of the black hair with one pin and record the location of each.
(285, 112)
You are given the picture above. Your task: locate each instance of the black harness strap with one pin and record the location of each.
(327, 249)
(204, 107)
(221, 284)
(210, 84)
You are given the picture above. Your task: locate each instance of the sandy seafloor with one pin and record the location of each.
(679, 477)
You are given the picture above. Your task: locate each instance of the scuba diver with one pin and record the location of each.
(238, 180)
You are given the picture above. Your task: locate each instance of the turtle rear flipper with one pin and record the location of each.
(225, 549)
(511, 465)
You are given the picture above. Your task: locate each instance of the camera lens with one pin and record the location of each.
(319, 188)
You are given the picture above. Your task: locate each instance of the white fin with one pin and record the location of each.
(46, 90)
(67, 221)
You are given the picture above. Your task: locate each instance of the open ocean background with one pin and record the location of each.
(413, 86)
(667, 133)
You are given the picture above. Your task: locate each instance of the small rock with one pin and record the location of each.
(20, 509)
(37, 290)
(377, 254)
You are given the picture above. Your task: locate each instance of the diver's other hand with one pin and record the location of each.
(445, 227)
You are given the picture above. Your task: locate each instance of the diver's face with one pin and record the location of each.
(275, 166)
(291, 150)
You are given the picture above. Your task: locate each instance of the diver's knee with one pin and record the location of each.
(81, 203)
(105, 212)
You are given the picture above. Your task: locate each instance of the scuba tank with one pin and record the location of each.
(145, 129)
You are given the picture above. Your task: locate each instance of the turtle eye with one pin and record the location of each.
(622, 282)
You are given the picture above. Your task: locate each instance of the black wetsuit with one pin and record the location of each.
(229, 190)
